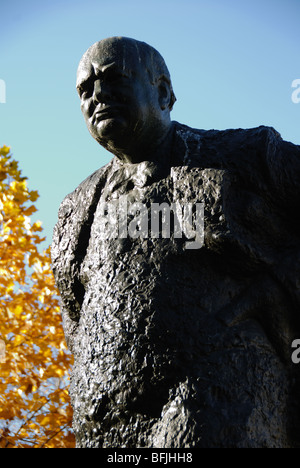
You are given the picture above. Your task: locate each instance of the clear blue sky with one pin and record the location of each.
(232, 64)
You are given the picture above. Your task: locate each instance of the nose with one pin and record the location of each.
(100, 91)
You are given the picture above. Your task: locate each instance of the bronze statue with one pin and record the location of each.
(177, 345)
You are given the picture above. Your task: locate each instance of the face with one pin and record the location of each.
(118, 101)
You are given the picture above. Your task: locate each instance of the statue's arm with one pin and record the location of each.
(65, 266)
(70, 241)
(63, 250)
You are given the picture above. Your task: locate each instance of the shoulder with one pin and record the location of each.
(237, 135)
(224, 146)
(83, 195)
(75, 211)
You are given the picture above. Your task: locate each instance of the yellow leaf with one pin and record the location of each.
(37, 226)
(4, 150)
(34, 195)
(33, 356)
(18, 340)
(29, 211)
(18, 311)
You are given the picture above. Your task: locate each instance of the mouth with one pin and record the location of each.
(105, 112)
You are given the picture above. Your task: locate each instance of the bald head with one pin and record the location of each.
(126, 95)
(123, 49)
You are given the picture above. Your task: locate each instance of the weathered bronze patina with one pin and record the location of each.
(176, 346)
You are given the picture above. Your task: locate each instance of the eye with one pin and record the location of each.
(84, 90)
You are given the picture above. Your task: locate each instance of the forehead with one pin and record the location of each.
(125, 56)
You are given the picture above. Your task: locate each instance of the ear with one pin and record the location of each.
(164, 93)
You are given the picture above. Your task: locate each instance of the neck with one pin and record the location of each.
(154, 148)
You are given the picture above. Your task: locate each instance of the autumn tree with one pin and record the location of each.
(35, 409)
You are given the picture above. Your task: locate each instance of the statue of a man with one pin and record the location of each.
(174, 345)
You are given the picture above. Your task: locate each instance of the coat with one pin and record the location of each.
(190, 346)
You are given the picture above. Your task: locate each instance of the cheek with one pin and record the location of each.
(87, 108)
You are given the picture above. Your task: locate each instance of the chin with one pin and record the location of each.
(110, 129)
(114, 134)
